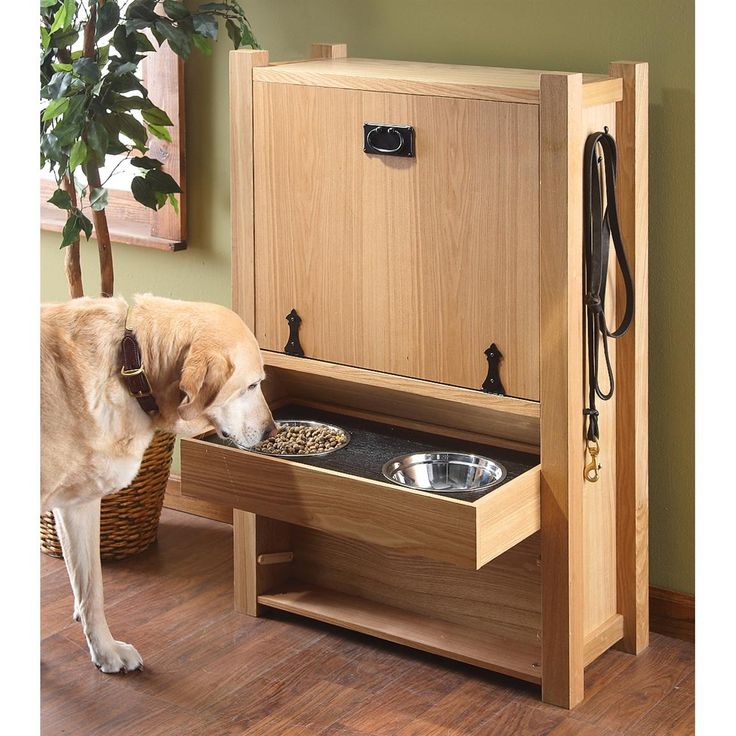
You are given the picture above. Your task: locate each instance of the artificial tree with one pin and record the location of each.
(95, 105)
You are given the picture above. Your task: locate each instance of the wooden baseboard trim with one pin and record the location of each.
(672, 614)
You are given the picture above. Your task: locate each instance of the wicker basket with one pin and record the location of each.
(129, 518)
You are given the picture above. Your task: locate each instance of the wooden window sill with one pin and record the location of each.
(132, 233)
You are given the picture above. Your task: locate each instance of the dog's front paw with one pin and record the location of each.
(76, 616)
(117, 657)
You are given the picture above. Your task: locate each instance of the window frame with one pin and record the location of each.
(129, 222)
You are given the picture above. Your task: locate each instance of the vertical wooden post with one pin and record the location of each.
(244, 562)
(252, 536)
(561, 388)
(632, 394)
(328, 51)
(242, 204)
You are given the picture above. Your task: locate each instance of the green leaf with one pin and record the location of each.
(143, 42)
(247, 38)
(202, 44)
(143, 193)
(175, 10)
(51, 149)
(142, 9)
(156, 116)
(59, 20)
(103, 54)
(160, 181)
(78, 154)
(108, 16)
(126, 45)
(127, 67)
(55, 108)
(48, 3)
(98, 198)
(205, 24)
(63, 39)
(57, 86)
(133, 129)
(120, 103)
(86, 225)
(87, 69)
(59, 67)
(127, 83)
(159, 132)
(178, 39)
(70, 127)
(233, 32)
(61, 199)
(97, 140)
(145, 162)
(160, 199)
(45, 38)
(72, 226)
(174, 202)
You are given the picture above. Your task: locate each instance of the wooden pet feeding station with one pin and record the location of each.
(409, 249)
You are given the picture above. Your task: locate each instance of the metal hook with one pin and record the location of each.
(590, 471)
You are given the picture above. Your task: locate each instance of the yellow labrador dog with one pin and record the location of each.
(203, 367)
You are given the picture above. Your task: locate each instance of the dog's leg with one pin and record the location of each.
(78, 527)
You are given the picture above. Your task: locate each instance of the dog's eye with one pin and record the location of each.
(253, 385)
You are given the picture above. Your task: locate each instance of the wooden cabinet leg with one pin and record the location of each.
(561, 389)
(632, 404)
(254, 536)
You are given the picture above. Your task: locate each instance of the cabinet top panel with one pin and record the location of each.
(422, 78)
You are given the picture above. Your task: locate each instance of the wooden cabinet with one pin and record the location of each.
(403, 271)
(411, 266)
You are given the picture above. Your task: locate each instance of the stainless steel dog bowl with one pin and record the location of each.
(444, 472)
(309, 423)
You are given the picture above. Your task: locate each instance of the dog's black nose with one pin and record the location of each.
(270, 431)
(225, 435)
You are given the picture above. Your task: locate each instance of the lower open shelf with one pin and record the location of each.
(479, 648)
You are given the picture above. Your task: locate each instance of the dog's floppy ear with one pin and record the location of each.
(203, 374)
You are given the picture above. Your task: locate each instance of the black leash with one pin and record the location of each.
(600, 225)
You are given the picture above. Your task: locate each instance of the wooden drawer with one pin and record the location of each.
(466, 533)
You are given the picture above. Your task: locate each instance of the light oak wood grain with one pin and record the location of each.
(502, 598)
(242, 63)
(599, 499)
(413, 522)
(426, 78)
(403, 627)
(442, 247)
(632, 373)
(253, 537)
(420, 401)
(561, 389)
(329, 51)
(602, 638)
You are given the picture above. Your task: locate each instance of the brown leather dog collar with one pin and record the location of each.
(133, 372)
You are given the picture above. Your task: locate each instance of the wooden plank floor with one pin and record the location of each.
(213, 672)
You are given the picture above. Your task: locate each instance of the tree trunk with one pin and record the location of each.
(71, 256)
(99, 218)
(104, 249)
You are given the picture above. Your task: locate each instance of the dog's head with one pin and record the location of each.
(220, 382)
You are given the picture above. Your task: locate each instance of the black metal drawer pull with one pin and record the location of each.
(388, 140)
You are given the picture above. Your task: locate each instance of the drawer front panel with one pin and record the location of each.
(381, 255)
(409, 522)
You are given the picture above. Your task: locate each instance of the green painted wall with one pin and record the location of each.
(576, 35)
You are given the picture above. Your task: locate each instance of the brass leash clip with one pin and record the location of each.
(591, 469)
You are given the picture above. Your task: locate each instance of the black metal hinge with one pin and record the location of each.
(293, 346)
(492, 384)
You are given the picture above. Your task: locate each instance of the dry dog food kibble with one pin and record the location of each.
(302, 439)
